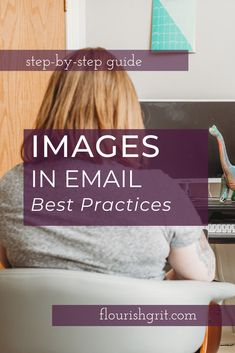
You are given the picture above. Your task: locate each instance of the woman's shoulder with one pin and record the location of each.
(12, 180)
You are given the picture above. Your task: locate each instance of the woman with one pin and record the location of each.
(97, 100)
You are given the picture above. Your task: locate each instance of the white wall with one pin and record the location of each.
(126, 24)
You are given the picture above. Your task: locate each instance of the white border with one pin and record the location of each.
(75, 23)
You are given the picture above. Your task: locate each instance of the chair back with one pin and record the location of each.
(27, 296)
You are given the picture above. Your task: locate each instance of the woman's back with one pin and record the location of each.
(136, 251)
(100, 100)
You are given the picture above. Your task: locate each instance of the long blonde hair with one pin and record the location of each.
(90, 100)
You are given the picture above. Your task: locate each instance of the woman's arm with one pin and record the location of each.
(3, 258)
(195, 261)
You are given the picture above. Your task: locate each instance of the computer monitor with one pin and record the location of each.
(195, 115)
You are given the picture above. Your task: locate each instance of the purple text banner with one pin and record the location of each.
(116, 177)
(92, 60)
(143, 315)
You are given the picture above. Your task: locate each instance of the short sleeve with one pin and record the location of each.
(10, 199)
(182, 236)
(5, 205)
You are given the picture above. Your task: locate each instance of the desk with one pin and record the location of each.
(221, 214)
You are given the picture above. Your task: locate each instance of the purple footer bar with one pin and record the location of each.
(143, 315)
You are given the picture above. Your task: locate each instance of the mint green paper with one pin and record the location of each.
(166, 34)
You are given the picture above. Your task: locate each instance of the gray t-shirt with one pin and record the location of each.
(135, 251)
